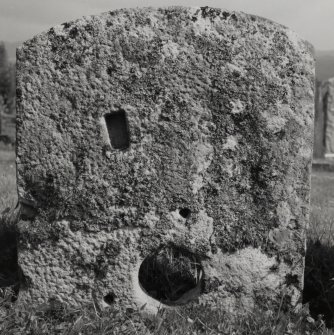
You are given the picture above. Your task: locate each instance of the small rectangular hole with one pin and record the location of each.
(118, 131)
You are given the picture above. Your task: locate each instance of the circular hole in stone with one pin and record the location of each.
(185, 212)
(109, 298)
(172, 276)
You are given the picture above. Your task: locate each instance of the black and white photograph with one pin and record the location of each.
(166, 167)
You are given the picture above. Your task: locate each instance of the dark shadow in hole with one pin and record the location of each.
(118, 129)
(172, 276)
(185, 212)
(109, 298)
(318, 283)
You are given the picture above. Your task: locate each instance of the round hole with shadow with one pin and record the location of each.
(185, 212)
(109, 298)
(172, 276)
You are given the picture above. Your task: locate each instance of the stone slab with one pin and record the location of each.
(210, 113)
(328, 105)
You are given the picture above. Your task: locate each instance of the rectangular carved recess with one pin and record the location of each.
(118, 131)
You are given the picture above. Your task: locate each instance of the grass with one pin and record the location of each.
(58, 319)
(55, 318)
(319, 262)
(8, 200)
(8, 193)
(171, 275)
(322, 214)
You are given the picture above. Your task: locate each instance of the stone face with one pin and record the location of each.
(179, 128)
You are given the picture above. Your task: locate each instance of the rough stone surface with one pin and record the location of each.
(219, 109)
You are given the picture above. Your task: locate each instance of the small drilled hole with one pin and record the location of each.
(118, 131)
(185, 212)
(172, 276)
(109, 298)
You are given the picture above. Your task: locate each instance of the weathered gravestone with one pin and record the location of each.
(319, 122)
(325, 114)
(164, 158)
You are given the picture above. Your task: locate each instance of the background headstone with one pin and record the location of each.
(164, 145)
(327, 94)
(324, 120)
(319, 122)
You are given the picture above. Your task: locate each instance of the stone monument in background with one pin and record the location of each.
(164, 159)
(319, 123)
(324, 120)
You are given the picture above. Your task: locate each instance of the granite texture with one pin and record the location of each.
(219, 108)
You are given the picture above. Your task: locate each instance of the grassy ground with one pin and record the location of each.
(8, 194)
(319, 269)
(322, 201)
(58, 319)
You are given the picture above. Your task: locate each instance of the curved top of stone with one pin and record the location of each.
(329, 81)
(197, 15)
(326, 86)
